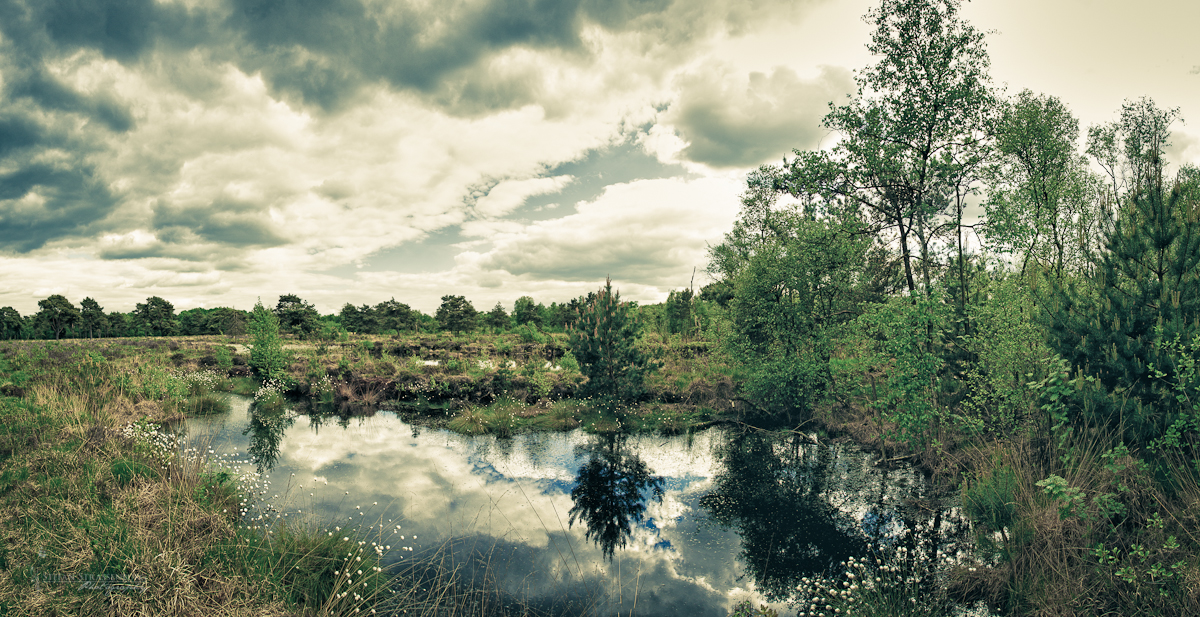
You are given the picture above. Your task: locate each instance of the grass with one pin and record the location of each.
(102, 514)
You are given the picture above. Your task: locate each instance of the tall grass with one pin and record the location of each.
(106, 515)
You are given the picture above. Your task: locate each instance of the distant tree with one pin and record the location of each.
(526, 311)
(92, 317)
(558, 316)
(456, 314)
(157, 317)
(497, 318)
(12, 326)
(57, 313)
(353, 318)
(220, 320)
(679, 312)
(296, 316)
(603, 341)
(393, 315)
(720, 292)
(122, 324)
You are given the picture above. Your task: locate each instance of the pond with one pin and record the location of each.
(572, 522)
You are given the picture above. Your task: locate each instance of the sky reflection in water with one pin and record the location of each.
(679, 525)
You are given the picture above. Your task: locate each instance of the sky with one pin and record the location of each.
(215, 152)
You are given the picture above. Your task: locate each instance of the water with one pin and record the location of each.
(671, 525)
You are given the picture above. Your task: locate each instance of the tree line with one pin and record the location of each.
(57, 317)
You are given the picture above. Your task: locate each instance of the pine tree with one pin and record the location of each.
(602, 340)
(1147, 293)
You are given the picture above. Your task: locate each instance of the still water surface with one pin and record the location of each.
(672, 525)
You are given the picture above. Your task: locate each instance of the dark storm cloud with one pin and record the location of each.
(322, 50)
(40, 202)
(17, 132)
(224, 221)
(51, 94)
(752, 122)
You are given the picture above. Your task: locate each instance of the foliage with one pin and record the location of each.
(678, 311)
(794, 287)
(1147, 292)
(496, 318)
(157, 317)
(58, 313)
(915, 136)
(1007, 344)
(603, 342)
(1043, 202)
(525, 311)
(456, 314)
(11, 324)
(908, 336)
(220, 320)
(91, 318)
(296, 316)
(1131, 149)
(267, 357)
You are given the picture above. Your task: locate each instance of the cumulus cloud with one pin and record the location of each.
(650, 231)
(728, 120)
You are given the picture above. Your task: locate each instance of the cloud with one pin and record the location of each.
(649, 231)
(729, 121)
(1184, 148)
(278, 142)
(508, 195)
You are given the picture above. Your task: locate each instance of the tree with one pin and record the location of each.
(456, 314)
(1146, 296)
(356, 319)
(603, 341)
(11, 324)
(1042, 201)
(393, 315)
(787, 299)
(57, 313)
(1131, 149)
(497, 318)
(525, 311)
(92, 317)
(679, 312)
(157, 317)
(266, 347)
(915, 135)
(296, 316)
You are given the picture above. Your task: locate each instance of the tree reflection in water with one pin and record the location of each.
(266, 428)
(610, 494)
(772, 494)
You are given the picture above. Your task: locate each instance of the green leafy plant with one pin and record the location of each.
(267, 357)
